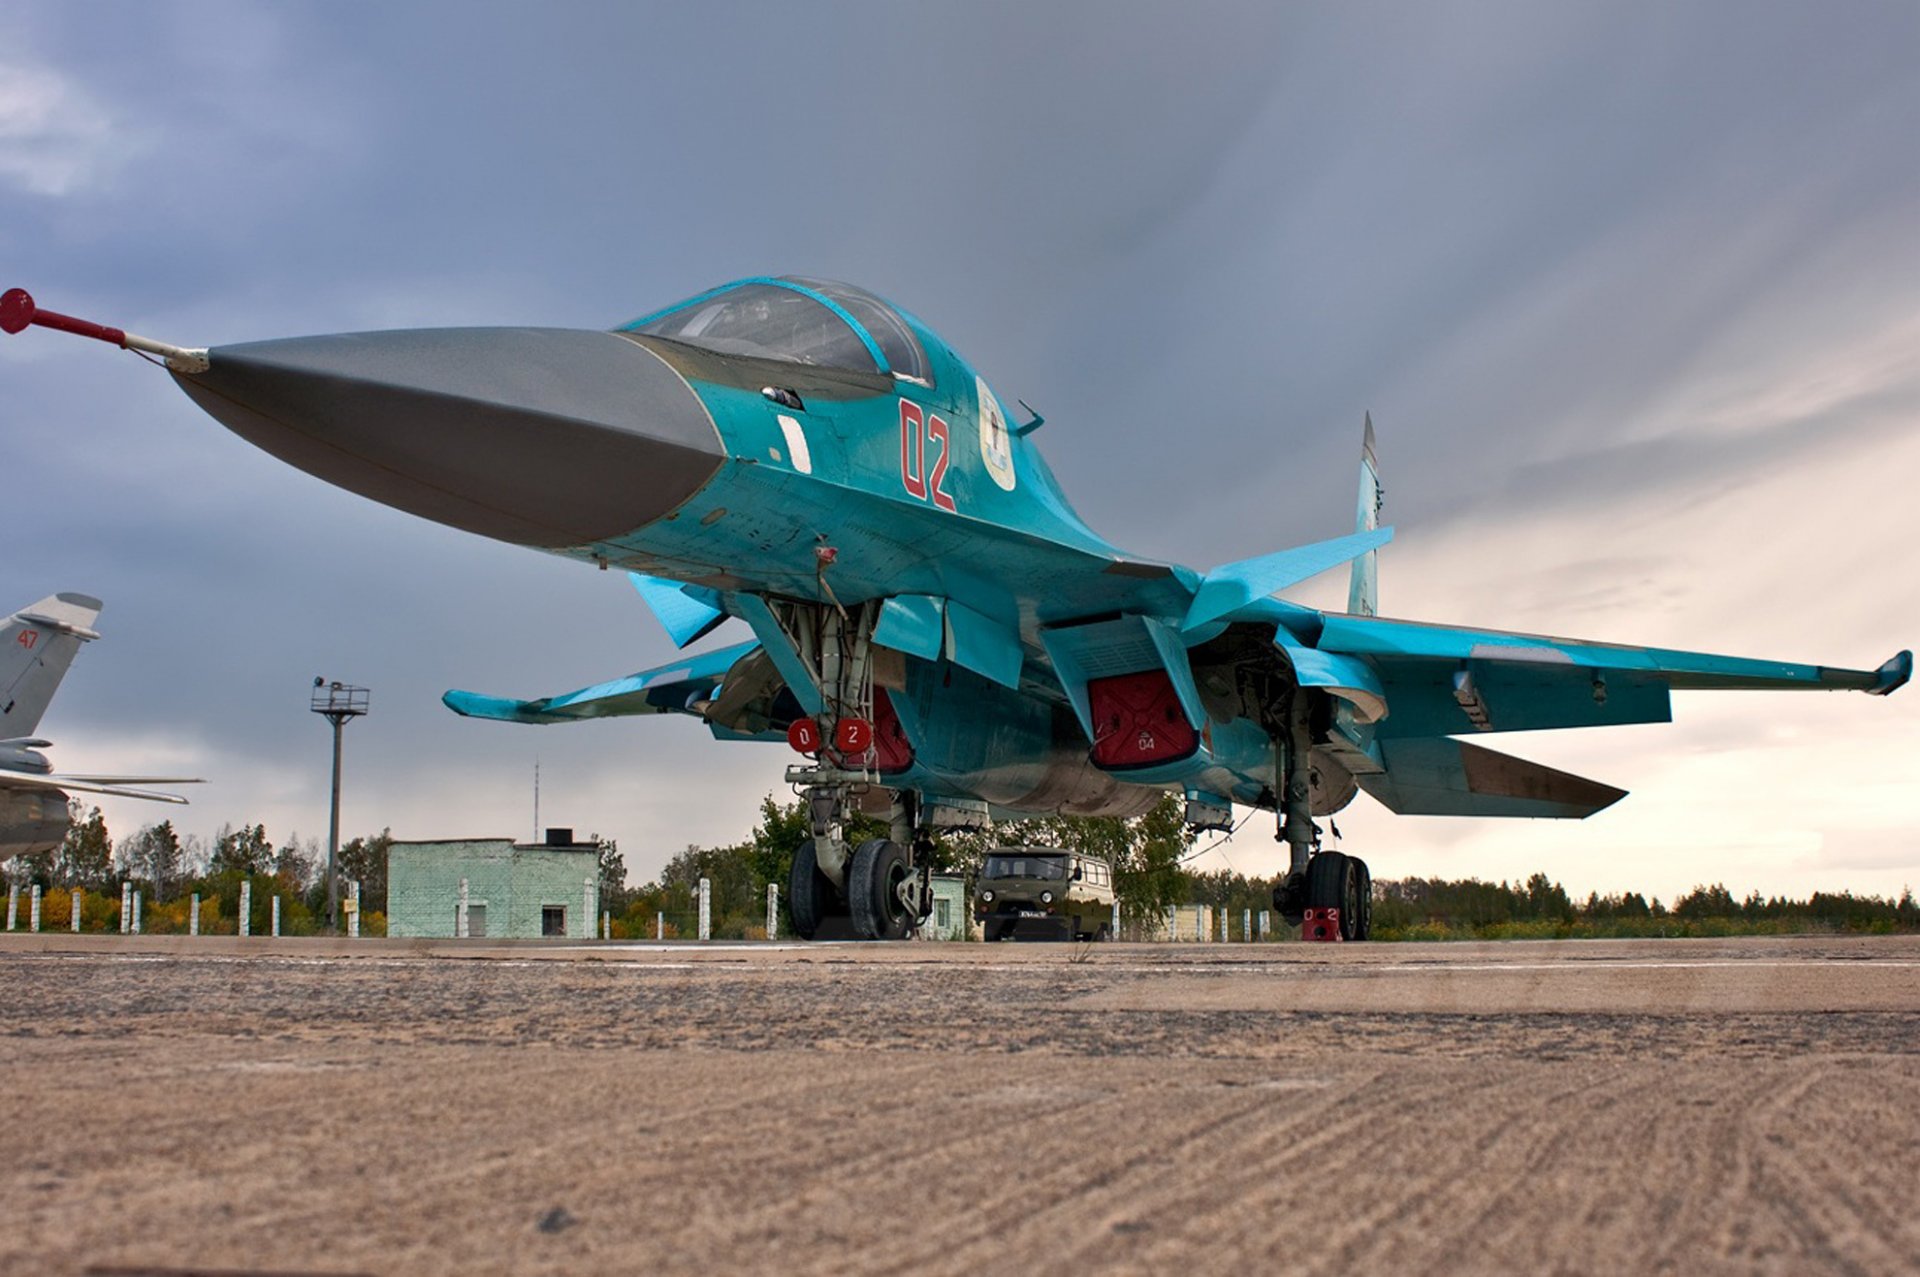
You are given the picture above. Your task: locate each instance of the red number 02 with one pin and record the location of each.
(916, 429)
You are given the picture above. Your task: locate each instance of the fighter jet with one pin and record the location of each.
(934, 630)
(37, 644)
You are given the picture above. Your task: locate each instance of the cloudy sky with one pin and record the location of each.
(1632, 292)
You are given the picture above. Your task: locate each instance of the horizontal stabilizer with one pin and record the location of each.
(1233, 585)
(1445, 777)
(686, 612)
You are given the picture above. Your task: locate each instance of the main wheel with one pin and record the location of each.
(1364, 928)
(1290, 899)
(811, 897)
(1333, 882)
(873, 890)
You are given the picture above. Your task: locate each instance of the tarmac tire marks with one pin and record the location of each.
(414, 1114)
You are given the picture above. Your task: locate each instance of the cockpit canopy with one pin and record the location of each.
(808, 321)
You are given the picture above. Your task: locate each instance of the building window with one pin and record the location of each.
(476, 919)
(942, 915)
(553, 920)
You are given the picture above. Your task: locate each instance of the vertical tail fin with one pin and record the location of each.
(37, 644)
(1363, 590)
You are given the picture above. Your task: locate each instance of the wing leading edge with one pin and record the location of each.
(677, 688)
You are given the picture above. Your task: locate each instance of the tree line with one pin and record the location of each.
(1150, 855)
(168, 870)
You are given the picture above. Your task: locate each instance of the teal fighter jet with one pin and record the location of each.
(934, 630)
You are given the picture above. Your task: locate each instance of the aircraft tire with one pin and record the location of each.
(1363, 914)
(810, 895)
(1333, 882)
(879, 866)
(1290, 900)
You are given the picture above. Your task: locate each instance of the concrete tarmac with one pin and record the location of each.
(396, 1106)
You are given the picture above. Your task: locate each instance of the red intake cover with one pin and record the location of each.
(1137, 721)
(892, 751)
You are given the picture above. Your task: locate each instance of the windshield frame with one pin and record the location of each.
(879, 356)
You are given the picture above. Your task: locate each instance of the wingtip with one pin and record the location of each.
(1893, 675)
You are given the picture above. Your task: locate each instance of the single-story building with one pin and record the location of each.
(513, 891)
(952, 911)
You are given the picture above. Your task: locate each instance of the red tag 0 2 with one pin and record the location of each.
(853, 736)
(804, 736)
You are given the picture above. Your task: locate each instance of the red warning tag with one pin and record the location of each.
(804, 736)
(853, 736)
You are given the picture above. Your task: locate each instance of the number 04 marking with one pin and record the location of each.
(916, 429)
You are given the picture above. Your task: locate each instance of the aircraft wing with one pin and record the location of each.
(1440, 680)
(114, 786)
(677, 688)
(1386, 639)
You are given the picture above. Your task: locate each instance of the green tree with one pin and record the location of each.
(244, 851)
(153, 855)
(85, 857)
(613, 874)
(364, 860)
(294, 865)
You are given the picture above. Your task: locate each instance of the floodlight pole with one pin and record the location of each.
(336, 702)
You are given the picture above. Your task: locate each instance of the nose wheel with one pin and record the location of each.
(812, 898)
(883, 891)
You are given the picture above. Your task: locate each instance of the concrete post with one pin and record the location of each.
(136, 914)
(773, 911)
(1115, 933)
(13, 906)
(276, 917)
(1173, 922)
(36, 906)
(1266, 923)
(660, 926)
(706, 909)
(246, 908)
(606, 925)
(587, 909)
(1246, 924)
(193, 916)
(353, 916)
(460, 913)
(76, 910)
(126, 907)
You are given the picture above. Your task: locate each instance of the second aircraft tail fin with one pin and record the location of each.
(37, 644)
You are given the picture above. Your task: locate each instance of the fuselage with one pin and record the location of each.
(774, 438)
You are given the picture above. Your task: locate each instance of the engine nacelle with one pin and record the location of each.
(32, 820)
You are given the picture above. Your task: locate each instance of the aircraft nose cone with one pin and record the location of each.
(544, 437)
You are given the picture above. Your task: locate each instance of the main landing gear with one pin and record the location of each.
(881, 889)
(884, 889)
(1317, 880)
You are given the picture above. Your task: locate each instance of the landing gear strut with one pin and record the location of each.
(1316, 879)
(882, 889)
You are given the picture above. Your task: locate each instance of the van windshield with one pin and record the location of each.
(1029, 866)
